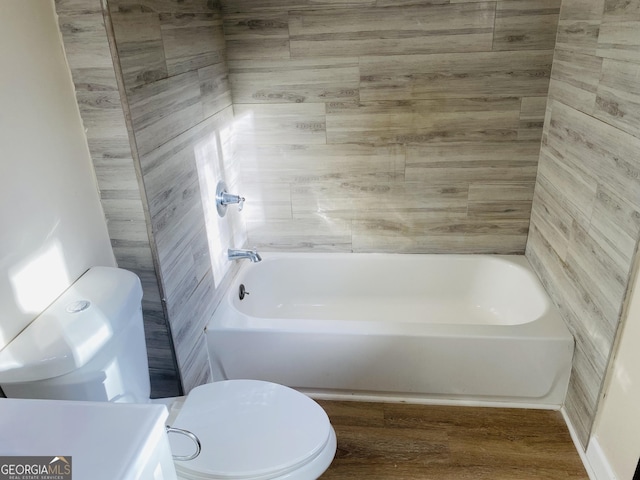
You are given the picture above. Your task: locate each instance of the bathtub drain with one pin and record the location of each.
(242, 292)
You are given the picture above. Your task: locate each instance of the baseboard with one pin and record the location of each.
(598, 461)
(419, 399)
(594, 460)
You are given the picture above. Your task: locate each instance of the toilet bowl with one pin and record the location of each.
(89, 345)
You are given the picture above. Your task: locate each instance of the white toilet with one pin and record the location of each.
(89, 345)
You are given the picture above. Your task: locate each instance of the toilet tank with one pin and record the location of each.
(87, 345)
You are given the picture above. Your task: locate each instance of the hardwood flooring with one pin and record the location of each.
(378, 441)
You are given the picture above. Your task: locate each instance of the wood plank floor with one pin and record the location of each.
(378, 441)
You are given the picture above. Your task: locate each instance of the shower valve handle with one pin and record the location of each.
(223, 199)
(228, 199)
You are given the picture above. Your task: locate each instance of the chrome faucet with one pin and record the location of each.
(253, 255)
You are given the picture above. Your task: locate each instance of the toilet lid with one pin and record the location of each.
(250, 429)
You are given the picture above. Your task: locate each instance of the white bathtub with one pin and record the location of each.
(469, 329)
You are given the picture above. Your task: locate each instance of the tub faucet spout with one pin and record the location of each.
(253, 255)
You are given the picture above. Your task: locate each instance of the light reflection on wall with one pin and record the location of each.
(39, 280)
(214, 161)
(247, 158)
(218, 234)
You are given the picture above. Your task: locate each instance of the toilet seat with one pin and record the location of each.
(250, 429)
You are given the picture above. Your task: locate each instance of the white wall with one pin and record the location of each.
(52, 227)
(617, 428)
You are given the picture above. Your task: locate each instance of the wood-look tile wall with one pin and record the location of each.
(172, 56)
(87, 49)
(585, 222)
(375, 125)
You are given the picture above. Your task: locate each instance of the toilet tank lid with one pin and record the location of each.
(74, 328)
